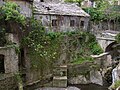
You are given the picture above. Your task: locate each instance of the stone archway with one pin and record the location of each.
(104, 42)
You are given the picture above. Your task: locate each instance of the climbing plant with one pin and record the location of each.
(11, 12)
(43, 47)
(85, 44)
(2, 39)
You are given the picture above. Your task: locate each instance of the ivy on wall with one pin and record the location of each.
(11, 12)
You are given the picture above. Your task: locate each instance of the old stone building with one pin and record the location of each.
(61, 16)
(55, 16)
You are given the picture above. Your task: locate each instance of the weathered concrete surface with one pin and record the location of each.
(10, 55)
(79, 80)
(68, 88)
(60, 81)
(96, 77)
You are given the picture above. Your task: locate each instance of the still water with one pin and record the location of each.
(91, 87)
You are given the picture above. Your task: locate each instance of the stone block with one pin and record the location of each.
(60, 81)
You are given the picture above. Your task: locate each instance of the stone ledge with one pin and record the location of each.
(60, 78)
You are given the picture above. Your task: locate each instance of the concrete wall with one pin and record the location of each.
(63, 22)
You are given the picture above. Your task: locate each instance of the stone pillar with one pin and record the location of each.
(60, 76)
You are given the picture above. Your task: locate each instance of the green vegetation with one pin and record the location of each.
(116, 85)
(42, 47)
(2, 39)
(88, 46)
(103, 11)
(19, 81)
(9, 16)
(45, 48)
(118, 38)
(83, 59)
(10, 12)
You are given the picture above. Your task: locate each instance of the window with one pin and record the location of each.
(82, 23)
(54, 22)
(42, 0)
(2, 69)
(72, 23)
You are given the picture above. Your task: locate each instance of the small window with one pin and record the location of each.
(54, 22)
(42, 0)
(2, 69)
(82, 23)
(72, 23)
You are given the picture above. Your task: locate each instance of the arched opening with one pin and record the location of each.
(110, 47)
(2, 68)
(113, 50)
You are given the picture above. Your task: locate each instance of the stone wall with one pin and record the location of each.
(63, 22)
(56, 1)
(10, 59)
(103, 25)
(88, 72)
(8, 83)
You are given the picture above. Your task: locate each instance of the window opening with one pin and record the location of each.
(42, 0)
(54, 22)
(72, 23)
(2, 69)
(82, 23)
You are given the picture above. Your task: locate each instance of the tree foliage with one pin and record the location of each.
(11, 12)
(104, 10)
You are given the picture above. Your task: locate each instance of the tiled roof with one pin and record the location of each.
(59, 9)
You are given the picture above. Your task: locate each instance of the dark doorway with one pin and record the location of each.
(42, 0)
(54, 22)
(2, 68)
(72, 23)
